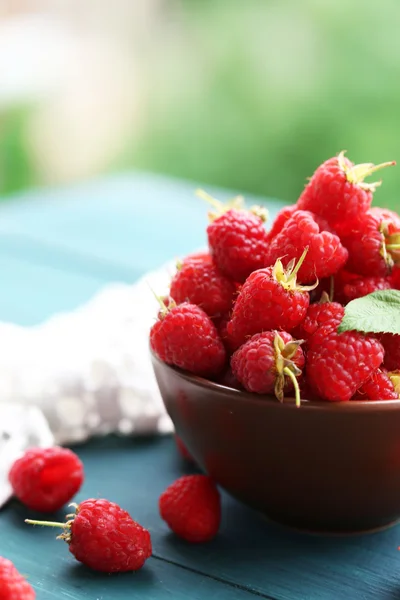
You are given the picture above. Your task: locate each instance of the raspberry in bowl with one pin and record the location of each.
(278, 355)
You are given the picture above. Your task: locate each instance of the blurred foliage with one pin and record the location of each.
(254, 95)
(261, 92)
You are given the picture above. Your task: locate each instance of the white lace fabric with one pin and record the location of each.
(89, 371)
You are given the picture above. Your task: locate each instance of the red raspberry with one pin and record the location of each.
(12, 585)
(270, 299)
(269, 362)
(340, 363)
(380, 386)
(318, 315)
(187, 338)
(201, 283)
(183, 451)
(325, 256)
(191, 507)
(373, 244)
(337, 191)
(237, 240)
(44, 479)
(363, 286)
(104, 537)
(391, 344)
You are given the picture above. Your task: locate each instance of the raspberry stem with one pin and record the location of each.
(46, 523)
(220, 207)
(357, 173)
(293, 273)
(289, 373)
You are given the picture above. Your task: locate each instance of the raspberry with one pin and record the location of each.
(237, 239)
(391, 344)
(12, 585)
(380, 386)
(104, 537)
(183, 451)
(201, 283)
(191, 507)
(325, 257)
(269, 362)
(340, 363)
(373, 244)
(363, 286)
(318, 315)
(337, 191)
(270, 299)
(187, 338)
(44, 479)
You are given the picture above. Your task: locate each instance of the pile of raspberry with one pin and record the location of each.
(260, 310)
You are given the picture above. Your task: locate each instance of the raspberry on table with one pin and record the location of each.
(44, 479)
(104, 537)
(202, 284)
(12, 585)
(269, 299)
(185, 336)
(382, 385)
(373, 243)
(237, 238)
(338, 364)
(337, 190)
(326, 254)
(269, 362)
(391, 344)
(191, 507)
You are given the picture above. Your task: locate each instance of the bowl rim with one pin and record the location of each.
(288, 404)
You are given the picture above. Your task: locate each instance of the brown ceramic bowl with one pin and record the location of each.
(324, 466)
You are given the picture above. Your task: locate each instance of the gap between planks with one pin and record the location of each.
(213, 577)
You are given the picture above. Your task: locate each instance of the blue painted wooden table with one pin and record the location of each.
(57, 249)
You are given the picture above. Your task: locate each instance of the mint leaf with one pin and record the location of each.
(378, 312)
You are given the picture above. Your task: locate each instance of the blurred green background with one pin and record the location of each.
(248, 95)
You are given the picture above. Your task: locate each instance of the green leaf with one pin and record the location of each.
(378, 312)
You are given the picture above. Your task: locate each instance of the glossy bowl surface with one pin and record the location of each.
(324, 466)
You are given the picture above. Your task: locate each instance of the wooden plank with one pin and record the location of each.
(261, 557)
